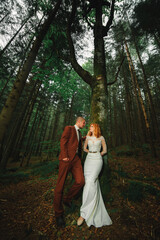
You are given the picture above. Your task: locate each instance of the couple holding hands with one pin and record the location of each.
(93, 210)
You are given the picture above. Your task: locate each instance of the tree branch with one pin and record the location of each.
(85, 13)
(91, 26)
(106, 28)
(85, 75)
(119, 68)
(107, 4)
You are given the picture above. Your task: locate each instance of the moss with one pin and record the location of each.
(99, 104)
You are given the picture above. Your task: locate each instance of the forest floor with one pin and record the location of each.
(26, 200)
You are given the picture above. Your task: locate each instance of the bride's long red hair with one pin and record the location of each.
(97, 130)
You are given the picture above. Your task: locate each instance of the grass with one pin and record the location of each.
(43, 170)
(137, 191)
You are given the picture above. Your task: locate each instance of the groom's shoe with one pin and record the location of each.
(60, 221)
(68, 204)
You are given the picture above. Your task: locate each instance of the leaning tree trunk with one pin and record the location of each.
(30, 140)
(153, 112)
(11, 40)
(1, 20)
(147, 125)
(11, 141)
(7, 111)
(140, 117)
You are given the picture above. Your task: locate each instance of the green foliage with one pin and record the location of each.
(50, 147)
(125, 151)
(134, 192)
(105, 178)
(120, 172)
(45, 170)
(10, 177)
(147, 16)
(146, 148)
(137, 191)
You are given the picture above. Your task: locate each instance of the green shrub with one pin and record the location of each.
(134, 192)
(125, 153)
(45, 169)
(146, 148)
(8, 178)
(41, 169)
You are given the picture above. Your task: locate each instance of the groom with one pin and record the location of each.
(70, 154)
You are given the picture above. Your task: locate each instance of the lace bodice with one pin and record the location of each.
(95, 144)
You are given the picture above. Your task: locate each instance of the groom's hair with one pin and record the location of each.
(80, 119)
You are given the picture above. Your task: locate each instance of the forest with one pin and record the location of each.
(65, 59)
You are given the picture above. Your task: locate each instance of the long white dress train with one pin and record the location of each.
(93, 209)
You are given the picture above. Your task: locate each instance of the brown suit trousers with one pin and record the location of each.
(69, 145)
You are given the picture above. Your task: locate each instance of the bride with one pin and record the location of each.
(93, 210)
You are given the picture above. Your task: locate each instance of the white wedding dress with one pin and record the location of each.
(93, 209)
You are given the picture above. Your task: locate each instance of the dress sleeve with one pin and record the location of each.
(85, 145)
(104, 146)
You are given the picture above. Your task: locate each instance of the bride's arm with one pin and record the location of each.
(104, 147)
(85, 146)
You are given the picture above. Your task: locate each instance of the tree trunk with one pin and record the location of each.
(11, 40)
(140, 117)
(97, 82)
(17, 127)
(56, 121)
(20, 130)
(99, 88)
(36, 133)
(158, 85)
(110, 121)
(153, 113)
(8, 79)
(4, 17)
(7, 111)
(115, 124)
(141, 103)
(30, 140)
(128, 107)
(51, 123)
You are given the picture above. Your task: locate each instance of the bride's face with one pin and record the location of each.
(91, 129)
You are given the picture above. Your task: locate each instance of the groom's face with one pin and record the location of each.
(81, 124)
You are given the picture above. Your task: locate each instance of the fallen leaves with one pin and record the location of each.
(32, 202)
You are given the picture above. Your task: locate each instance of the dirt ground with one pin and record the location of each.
(27, 207)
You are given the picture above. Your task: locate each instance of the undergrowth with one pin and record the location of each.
(43, 170)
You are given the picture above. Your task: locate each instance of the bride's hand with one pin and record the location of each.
(88, 133)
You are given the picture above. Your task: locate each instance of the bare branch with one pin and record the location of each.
(119, 68)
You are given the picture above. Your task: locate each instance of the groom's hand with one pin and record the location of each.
(65, 159)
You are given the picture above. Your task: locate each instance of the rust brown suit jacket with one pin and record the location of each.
(69, 143)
